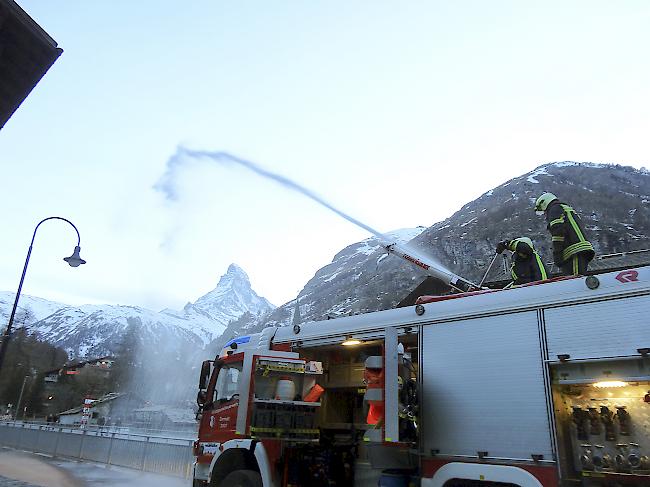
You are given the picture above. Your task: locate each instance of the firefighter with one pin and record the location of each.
(571, 249)
(527, 266)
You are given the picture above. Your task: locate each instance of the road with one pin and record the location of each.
(23, 469)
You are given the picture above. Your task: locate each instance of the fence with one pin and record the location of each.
(169, 456)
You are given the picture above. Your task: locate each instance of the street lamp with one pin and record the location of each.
(73, 261)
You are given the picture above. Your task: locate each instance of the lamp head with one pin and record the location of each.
(349, 341)
(74, 260)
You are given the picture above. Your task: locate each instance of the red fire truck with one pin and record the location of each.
(541, 385)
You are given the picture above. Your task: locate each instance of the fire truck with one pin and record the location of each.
(546, 384)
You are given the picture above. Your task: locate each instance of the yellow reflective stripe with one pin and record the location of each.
(557, 221)
(578, 246)
(542, 269)
(575, 227)
(575, 248)
(513, 273)
(575, 265)
(512, 245)
(557, 239)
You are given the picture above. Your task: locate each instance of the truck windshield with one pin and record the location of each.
(226, 387)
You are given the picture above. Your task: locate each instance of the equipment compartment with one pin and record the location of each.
(603, 421)
(279, 410)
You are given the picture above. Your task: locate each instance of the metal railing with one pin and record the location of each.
(158, 454)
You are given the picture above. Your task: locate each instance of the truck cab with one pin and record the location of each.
(312, 414)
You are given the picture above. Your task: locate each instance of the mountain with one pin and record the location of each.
(96, 330)
(613, 201)
(232, 297)
(30, 309)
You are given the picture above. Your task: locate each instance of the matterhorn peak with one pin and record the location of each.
(232, 297)
(235, 277)
(235, 271)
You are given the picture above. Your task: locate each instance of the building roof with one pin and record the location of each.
(75, 365)
(174, 415)
(26, 53)
(499, 275)
(111, 396)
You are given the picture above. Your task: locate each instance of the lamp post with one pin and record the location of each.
(73, 261)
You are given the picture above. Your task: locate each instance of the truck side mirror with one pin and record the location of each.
(201, 399)
(206, 368)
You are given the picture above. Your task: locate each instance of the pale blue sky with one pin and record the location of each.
(396, 112)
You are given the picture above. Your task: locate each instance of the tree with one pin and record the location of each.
(34, 395)
(27, 356)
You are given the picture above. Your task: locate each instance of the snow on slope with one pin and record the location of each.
(95, 330)
(232, 297)
(29, 307)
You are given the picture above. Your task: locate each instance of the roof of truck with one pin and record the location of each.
(551, 293)
(500, 277)
(599, 265)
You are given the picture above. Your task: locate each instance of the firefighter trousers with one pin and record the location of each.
(576, 265)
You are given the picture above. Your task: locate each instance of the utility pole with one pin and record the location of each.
(20, 398)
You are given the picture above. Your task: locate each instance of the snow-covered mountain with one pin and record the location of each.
(614, 202)
(30, 309)
(96, 330)
(232, 297)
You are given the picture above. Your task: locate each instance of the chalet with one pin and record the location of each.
(102, 365)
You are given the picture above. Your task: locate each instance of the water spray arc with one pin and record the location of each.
(430, 267)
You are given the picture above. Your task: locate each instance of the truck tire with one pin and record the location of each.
(243, 478)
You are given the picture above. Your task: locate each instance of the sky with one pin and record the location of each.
(397, 113)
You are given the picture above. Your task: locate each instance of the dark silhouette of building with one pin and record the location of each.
(26, 53)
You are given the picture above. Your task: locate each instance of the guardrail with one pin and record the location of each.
(158, 454)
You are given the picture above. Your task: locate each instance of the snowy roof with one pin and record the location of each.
(78, 364)
(104, 399)
(175, 415)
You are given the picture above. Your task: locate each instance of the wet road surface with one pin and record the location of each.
(23, 469)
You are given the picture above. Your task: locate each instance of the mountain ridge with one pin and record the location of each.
(95, 330)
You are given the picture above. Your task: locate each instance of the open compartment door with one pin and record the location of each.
(392, 446)
(391, 387)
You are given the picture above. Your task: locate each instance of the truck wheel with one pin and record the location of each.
(243, 478)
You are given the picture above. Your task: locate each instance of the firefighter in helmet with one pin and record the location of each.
(571, 249)
(527, 265)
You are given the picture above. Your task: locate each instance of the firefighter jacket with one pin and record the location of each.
(527, 265)
(567, 233)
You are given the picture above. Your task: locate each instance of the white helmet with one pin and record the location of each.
(527, 241)
(543, 201)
